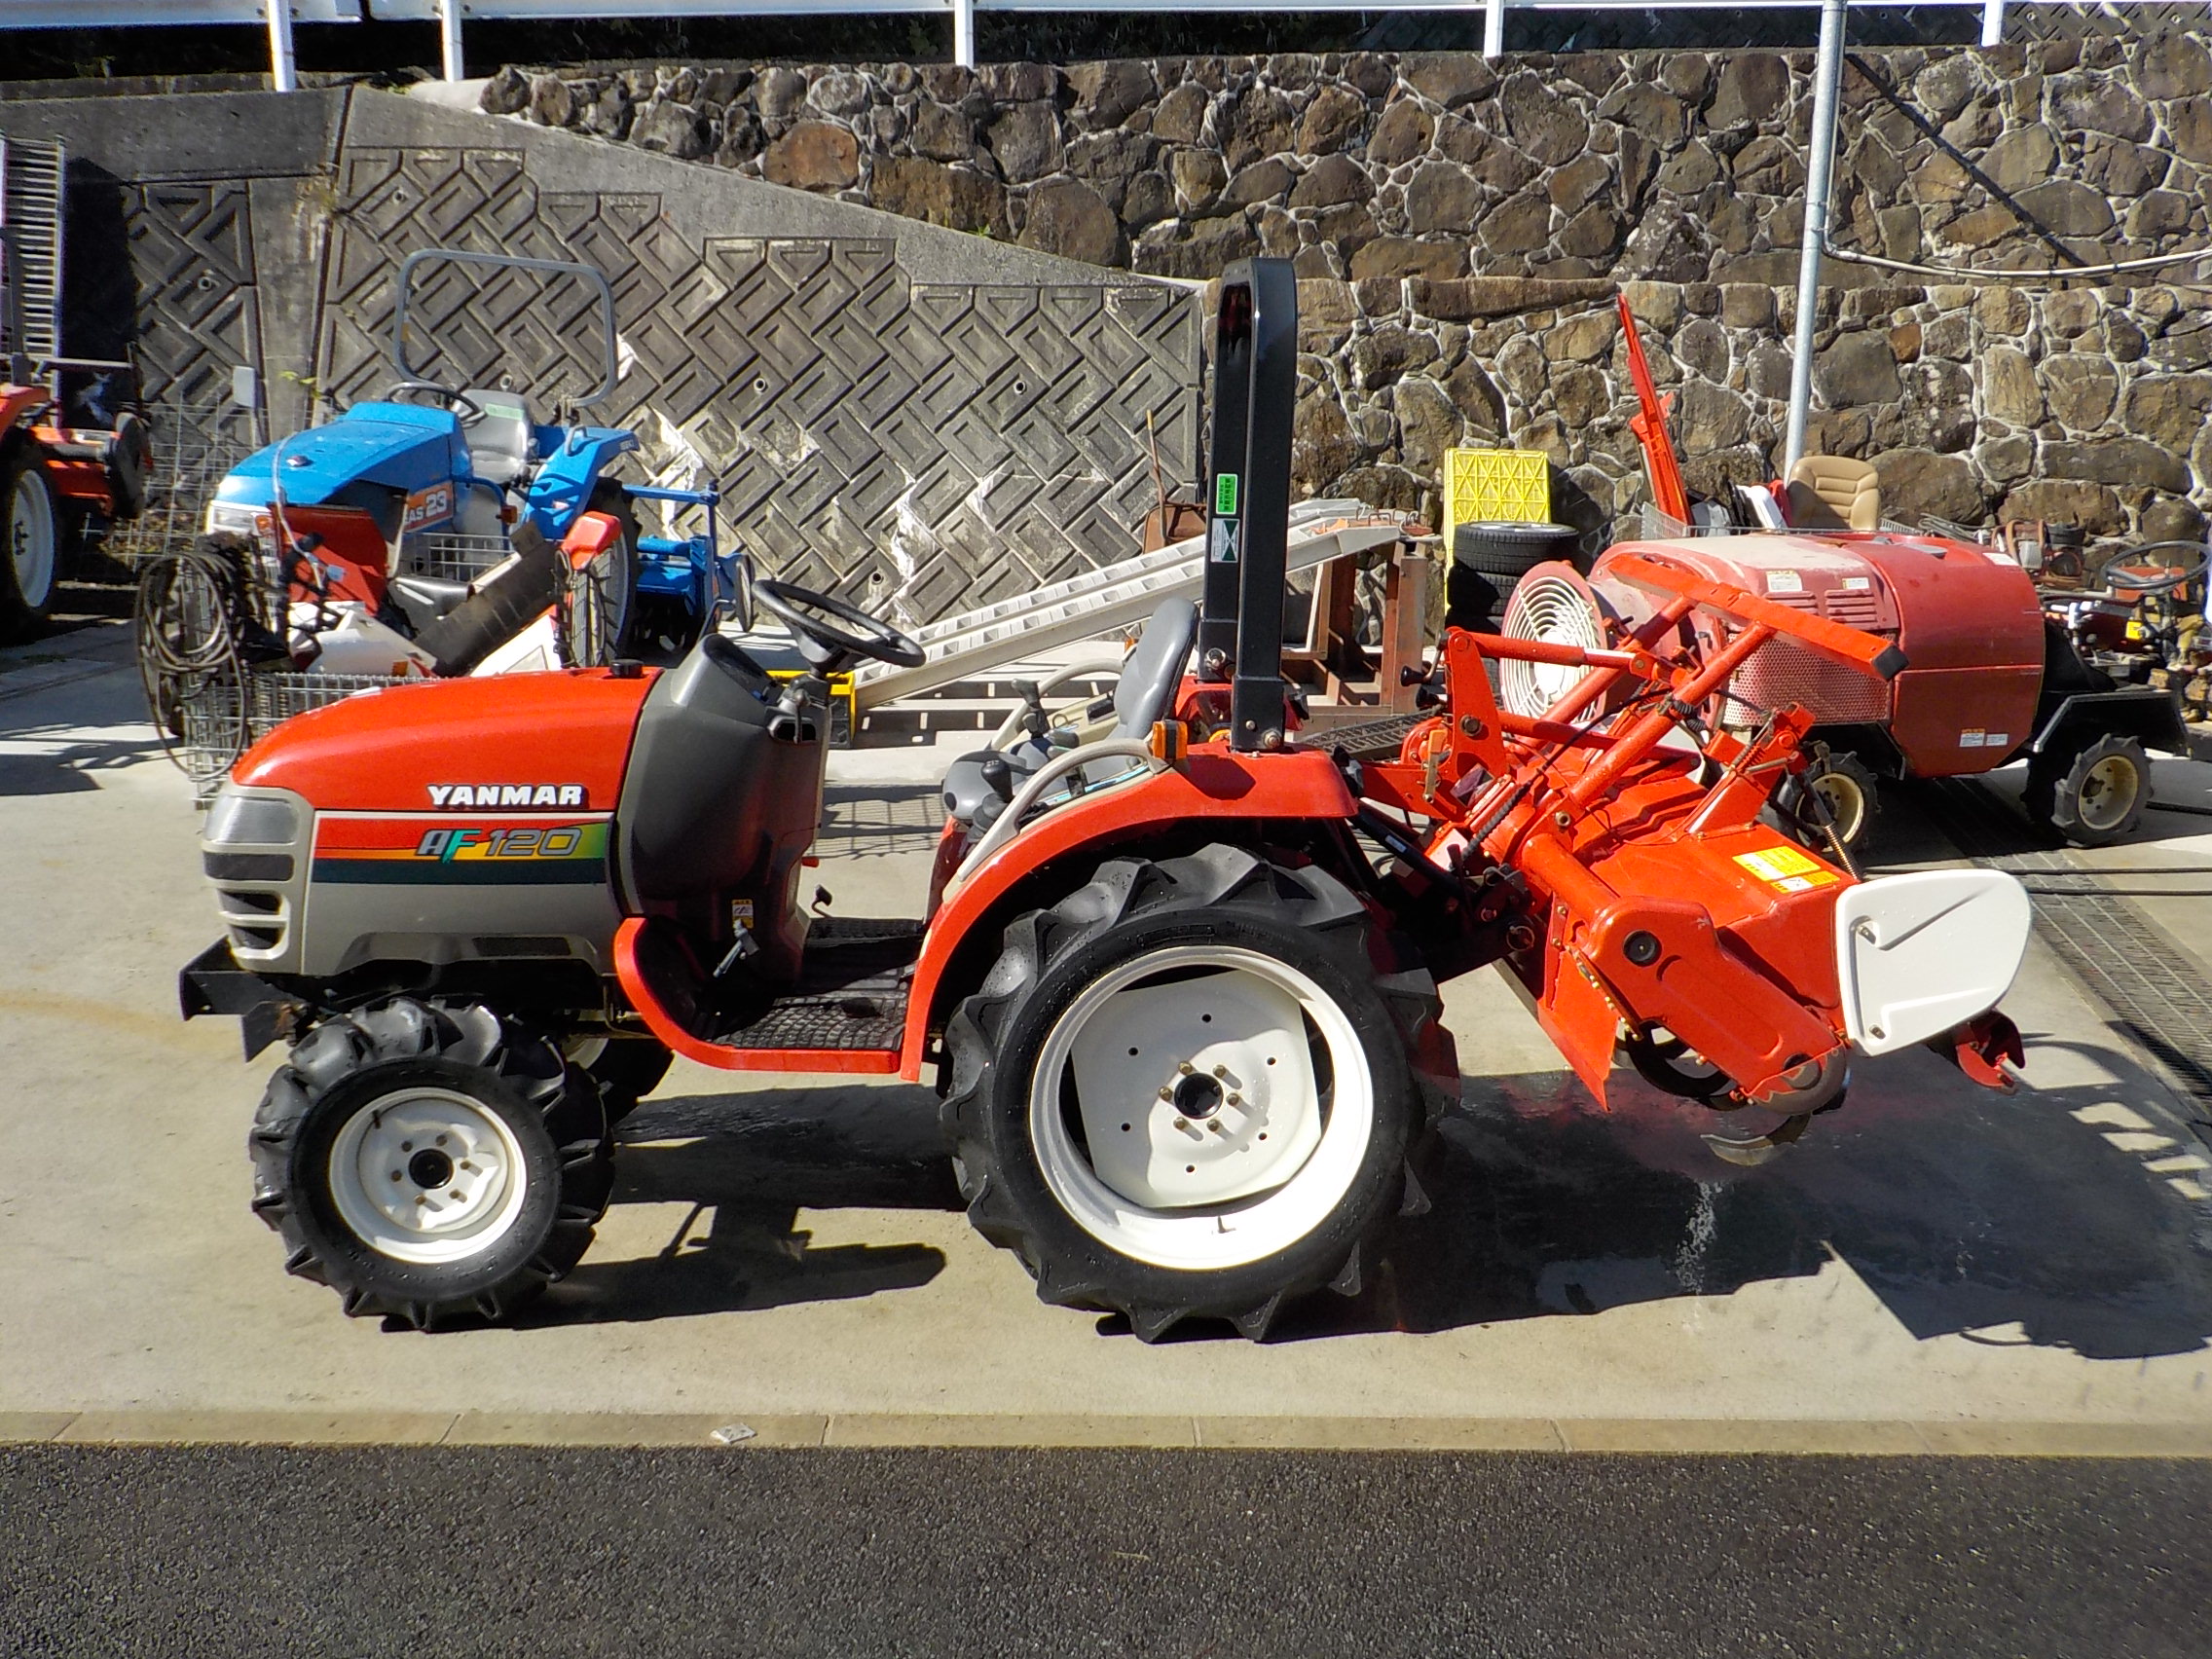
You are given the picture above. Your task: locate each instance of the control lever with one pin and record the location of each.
(743, 949)
(1033, 721)
(998, 775)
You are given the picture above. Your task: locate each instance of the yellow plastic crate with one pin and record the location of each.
(1496, 484)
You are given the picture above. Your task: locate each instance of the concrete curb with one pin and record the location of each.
(1664, 1436)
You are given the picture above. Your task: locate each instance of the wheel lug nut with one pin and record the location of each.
(1237, 1100)
(406, 1146)
(395, 1174)
(1220, 1072)
(1182, 1122)
(1185, 1067)
(1167, 1094)
(1216, 1128)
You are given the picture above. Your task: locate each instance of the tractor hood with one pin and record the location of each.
(397, 446)
(513, 742)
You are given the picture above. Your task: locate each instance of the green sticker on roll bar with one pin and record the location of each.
(1224, 496)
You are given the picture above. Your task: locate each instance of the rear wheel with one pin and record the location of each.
(598, 601)
(1188, 1090)
(429, 1160)
(30, 544)
(2094, 795)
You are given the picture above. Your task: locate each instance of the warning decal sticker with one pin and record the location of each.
(1787, 868)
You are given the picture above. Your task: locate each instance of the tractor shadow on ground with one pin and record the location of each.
(69, 768)
(2008, 1220)
(747, 1164)
(869, 820)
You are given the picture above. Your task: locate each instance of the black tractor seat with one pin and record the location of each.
(977, 791)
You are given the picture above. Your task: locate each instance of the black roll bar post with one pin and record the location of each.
(1249, 512)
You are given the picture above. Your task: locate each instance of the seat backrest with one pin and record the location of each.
(1146, 694)
(498, 445)
(1833, 491)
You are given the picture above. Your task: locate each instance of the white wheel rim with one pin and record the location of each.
(429, 1176)
(1847, 802)
(2109, 791)
(31, 553)
(1161, 1183)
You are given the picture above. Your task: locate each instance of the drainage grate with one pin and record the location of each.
(2158, 995)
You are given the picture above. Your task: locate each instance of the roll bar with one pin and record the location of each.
(610, 371)
(1255, 394)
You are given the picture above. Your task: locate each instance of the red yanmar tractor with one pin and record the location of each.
(1179, 998)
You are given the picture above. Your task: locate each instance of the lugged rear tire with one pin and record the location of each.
(512, 1148)
(1184, 937)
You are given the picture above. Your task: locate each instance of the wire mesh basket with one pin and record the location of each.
(196, 442)
(220, 720)
(450, 556)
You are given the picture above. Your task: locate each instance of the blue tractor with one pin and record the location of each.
(379, 527)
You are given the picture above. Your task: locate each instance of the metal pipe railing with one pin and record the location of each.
(279, 18)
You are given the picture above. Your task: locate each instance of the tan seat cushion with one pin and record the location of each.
(1831, 492)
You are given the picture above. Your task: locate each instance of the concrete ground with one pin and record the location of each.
(1933, 1267)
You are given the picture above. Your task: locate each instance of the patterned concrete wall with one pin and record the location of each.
(914, 418)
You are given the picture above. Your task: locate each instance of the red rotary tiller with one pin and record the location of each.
(1665, 918)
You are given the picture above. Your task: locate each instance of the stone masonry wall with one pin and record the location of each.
(2086, 406)
(1462, 225)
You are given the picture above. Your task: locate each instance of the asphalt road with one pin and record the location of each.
(156, 1552)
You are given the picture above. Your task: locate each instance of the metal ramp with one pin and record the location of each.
(1121, 593)
(30, 213)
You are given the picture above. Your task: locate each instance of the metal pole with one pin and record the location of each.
(449, 31)
(964, 33)
(283, 74)
(1494, 27)
(1991, 22)
(1828, 78)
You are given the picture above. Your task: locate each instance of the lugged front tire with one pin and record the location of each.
(429, 1160)
(1095, 1136)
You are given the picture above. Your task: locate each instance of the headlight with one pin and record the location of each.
(253, 821)
(231, 516)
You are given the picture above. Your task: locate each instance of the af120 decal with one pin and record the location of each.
(441, 851)
(557, 795)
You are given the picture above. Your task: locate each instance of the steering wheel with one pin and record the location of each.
(795, 608)
(2175, 575)
(469, 409)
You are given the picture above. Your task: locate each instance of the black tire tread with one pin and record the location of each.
(2054, 788)
(470, 1034)
(1310, 899)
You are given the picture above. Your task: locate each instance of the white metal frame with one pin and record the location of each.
(449, 14)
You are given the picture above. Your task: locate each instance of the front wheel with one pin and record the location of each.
(429, 1160)
(2094, 795)
(1188, 1090)
(30, 545)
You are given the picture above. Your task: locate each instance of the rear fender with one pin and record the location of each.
(1059, 851)
(2144, 712)
(563, 486)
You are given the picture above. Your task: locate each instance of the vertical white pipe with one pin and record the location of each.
(284, 72)
(449, 31)
(1828, 80)
(1494, 27)
(964, 33)
(1991, 22)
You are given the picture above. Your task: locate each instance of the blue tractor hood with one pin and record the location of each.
(398, 446)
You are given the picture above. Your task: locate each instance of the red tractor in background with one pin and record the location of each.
(1178, 997)
(61, 482)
